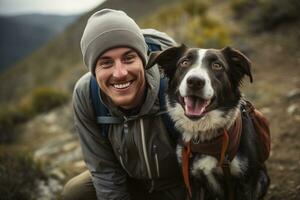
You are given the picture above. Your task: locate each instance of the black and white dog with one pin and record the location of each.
(203, 99)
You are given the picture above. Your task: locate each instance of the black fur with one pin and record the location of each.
(253, 182)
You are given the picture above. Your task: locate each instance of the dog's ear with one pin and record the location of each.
(238, 59)
(166, 59)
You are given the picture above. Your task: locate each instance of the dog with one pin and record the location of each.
(219, 149)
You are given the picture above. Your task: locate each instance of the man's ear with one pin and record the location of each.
(166, 59)
(239, 60)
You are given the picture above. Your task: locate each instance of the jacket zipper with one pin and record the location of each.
(125, 126)
(156, 160)
(122, 162)
(145, 149)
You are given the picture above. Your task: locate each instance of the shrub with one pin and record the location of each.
(9, 117)
(266, 14)
(206, 33)
(189, 23)
(273, 13)
(195, 7)
(242, 8)
(45, 99)
(18, 176)
(40, 100)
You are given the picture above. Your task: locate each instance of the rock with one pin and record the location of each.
(70, 146)
(293, 94)
(53, 146)
(293, 109)
(79, 164)
(266, 110)
(48, 190)
(57, 174)
(272, 186)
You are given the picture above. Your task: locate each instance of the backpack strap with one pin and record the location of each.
(103, 116)
(170, 125)
(152, 45)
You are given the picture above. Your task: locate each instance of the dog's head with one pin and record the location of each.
(202, 80)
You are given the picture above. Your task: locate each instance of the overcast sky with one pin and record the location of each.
(61, 7)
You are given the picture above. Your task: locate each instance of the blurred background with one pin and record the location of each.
(40, 61)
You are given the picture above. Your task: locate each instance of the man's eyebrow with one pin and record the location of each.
(124, 54)
(129, 52)
(103, 58)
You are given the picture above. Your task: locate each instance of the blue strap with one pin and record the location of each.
(170, 125)
(152, 45)
(102, 114)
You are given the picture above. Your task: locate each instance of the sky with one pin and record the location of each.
(60, 7)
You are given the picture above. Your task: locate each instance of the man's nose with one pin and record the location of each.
(119, 70)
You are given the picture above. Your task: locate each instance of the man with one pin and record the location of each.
(136, 160)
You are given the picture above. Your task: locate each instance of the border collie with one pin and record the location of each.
(203, 99)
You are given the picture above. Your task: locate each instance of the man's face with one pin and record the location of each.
(120, 74)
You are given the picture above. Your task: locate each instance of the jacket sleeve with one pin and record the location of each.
(108, 176)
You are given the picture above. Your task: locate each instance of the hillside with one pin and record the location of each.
(275, 55)
(59, 64)
(22, 34)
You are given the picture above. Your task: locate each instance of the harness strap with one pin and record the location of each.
(228, 179)
(224, 162)
(228, 143)
(224, 148)
(186, 153)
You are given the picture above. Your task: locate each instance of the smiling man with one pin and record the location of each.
(135, 159)
(120, 74)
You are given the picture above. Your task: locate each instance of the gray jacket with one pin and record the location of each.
(138, 149)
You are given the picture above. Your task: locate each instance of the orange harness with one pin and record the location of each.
(224, 148)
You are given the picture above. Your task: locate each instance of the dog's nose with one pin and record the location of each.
(194, 82)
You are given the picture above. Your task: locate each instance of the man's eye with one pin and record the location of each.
(129, 58)
(105, 63)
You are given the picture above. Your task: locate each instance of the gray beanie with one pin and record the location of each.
(107, 29)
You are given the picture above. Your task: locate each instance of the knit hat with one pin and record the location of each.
(107, 29)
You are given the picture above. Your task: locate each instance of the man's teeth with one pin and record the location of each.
(122, 86)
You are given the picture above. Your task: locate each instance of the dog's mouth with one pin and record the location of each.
(195, 107)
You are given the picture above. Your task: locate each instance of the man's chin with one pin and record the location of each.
(126, 103)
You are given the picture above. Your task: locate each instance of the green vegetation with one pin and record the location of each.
(40, 100)
(189, 23)
(19, 174)
(45, 98)
(266, 14)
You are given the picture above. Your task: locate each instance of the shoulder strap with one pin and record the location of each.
(102, 114)
(261, 127)
(170, 125)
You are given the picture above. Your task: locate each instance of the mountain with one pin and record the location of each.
(22, 34)
(59, 63)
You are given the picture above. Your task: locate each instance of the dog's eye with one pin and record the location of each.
(216, 66)
(184, 63)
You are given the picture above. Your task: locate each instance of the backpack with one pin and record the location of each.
(155, 41)
(262, 128)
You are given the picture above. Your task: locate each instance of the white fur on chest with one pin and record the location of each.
(205, 126)
(208, 165)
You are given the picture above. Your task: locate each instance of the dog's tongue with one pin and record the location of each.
(194, 106)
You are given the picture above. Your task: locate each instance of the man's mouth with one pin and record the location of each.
(195, 107)
(122, 85)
